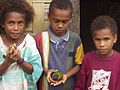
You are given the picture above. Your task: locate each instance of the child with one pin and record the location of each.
(20, 62)
(60, 48)
(100, 69)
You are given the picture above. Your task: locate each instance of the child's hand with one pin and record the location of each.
(49, 72)
(63, 80)
(13, 54)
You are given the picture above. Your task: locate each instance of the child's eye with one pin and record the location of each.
(106, 39)
(10, 22)
(65, 21)
(20, 22)
(97, 39)
(56, 21)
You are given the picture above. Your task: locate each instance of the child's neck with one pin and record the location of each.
(8, 41)
(107, 55)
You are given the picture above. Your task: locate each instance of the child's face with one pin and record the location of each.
(104, 41)
(14, 24)
(59, 21)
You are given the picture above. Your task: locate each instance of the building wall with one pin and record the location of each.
(41, 23)
(75, 25)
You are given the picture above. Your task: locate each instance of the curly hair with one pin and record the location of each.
(103, 22)
(61, 4)
(21, 6)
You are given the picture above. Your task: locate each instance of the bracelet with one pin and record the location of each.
(21, 61)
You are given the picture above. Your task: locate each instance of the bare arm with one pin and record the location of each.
(27, 67)
(8, 60)
(73, 71)
(15, 56)
(4, 66)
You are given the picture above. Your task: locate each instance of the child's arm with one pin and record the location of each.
(15, 56)
(70, 73)
(81, 78)
(27, 67)
(78, 60)
(9, 59)
(32, 64)
(4, 66)
(77, 84)
(48, 75)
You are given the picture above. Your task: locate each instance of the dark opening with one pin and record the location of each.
(90, 9)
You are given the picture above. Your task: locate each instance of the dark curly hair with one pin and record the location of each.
(61, 4)
(103, 22)
(21, 6)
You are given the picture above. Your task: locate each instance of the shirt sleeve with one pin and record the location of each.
(79, 52)
(37, 69)
(34, 58)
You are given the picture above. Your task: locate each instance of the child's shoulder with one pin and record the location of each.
(117, 54)
(29, 38)
(93, 54)
(74, 35)
(89, 54)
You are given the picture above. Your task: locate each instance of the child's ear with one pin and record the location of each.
(115, 38)
(71, 15)
(71, 18)
(48, 16)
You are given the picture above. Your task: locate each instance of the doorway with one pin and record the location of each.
(89, 10)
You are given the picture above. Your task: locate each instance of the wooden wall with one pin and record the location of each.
(41, 23)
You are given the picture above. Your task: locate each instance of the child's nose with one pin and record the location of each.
(102, 43)
(60, 25)
(16, 26)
